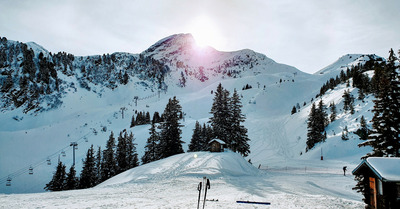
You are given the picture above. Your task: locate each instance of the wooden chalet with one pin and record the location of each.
(217, 145)
(382, 181)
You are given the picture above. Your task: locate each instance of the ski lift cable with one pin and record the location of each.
(26, 169)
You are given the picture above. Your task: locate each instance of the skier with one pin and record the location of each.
(344, 170)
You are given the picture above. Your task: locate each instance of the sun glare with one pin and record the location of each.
(205, 32)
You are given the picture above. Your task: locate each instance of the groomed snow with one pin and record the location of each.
(172, 183)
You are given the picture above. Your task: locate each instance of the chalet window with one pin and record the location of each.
(379, 187)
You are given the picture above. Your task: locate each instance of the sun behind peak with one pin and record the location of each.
(205, 32)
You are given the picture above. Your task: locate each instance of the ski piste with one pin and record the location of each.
(206, 183)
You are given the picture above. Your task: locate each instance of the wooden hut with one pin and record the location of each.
(381, 181)
(217, 145)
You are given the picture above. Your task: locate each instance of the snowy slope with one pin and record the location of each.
(172, 183)
(277, 137)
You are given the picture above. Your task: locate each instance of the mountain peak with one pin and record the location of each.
(178, 41)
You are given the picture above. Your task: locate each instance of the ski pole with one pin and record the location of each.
(205, 194)
(199, 189)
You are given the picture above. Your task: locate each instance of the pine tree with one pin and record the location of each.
(345, 134)
(71, 181)
(363, 131)
(314, 134)
(196, 143)
(98, 165)
(133, 121)
(88, 174)
(322, 116)
(156, 117)
(207, 135)
(131, 153)
(362, 187)
(148, 120)
(57, 183)
(333, 112)
(384, 137)
(108, 163)
(294, 110)
(120, 155)
(239, 139)
(170, 136)
(151, 152)
(220, 111)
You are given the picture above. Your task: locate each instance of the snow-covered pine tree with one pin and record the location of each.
(151, 149)
(384, 137)
(345, 134)
(71, 181)
(314, 134)
(170, 136)
(196, 143)
(57, 183)
(220, 111)
(88, 174)
(239, 139)
(348, 101)
(108, 163)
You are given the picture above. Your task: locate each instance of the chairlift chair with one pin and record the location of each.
(48, 161)
(63, 153)
(8, 183)
(31, 170)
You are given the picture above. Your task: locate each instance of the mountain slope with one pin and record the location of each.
(91, 107)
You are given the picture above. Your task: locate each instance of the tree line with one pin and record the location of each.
(164, 141)
(98, 166)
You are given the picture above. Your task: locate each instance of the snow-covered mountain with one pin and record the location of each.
(87, 97)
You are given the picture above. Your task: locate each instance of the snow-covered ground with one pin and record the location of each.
(172, 183)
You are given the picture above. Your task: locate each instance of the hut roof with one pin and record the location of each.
(217, 140)
(385, 168)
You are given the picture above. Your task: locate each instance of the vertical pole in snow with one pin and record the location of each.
(322, 157)
(207, 186)
(199, 189)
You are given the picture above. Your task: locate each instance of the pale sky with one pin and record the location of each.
(307, 34)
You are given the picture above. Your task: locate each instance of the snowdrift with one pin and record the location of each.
(193, 164)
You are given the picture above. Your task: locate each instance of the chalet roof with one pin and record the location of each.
(385, 168)
(217, 140)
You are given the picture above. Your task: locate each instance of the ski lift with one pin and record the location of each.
(48, 161)
(86, 139)
(63, 153)
(31, 170)
(8, 183)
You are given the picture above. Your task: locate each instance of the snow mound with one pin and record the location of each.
(187, 164)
